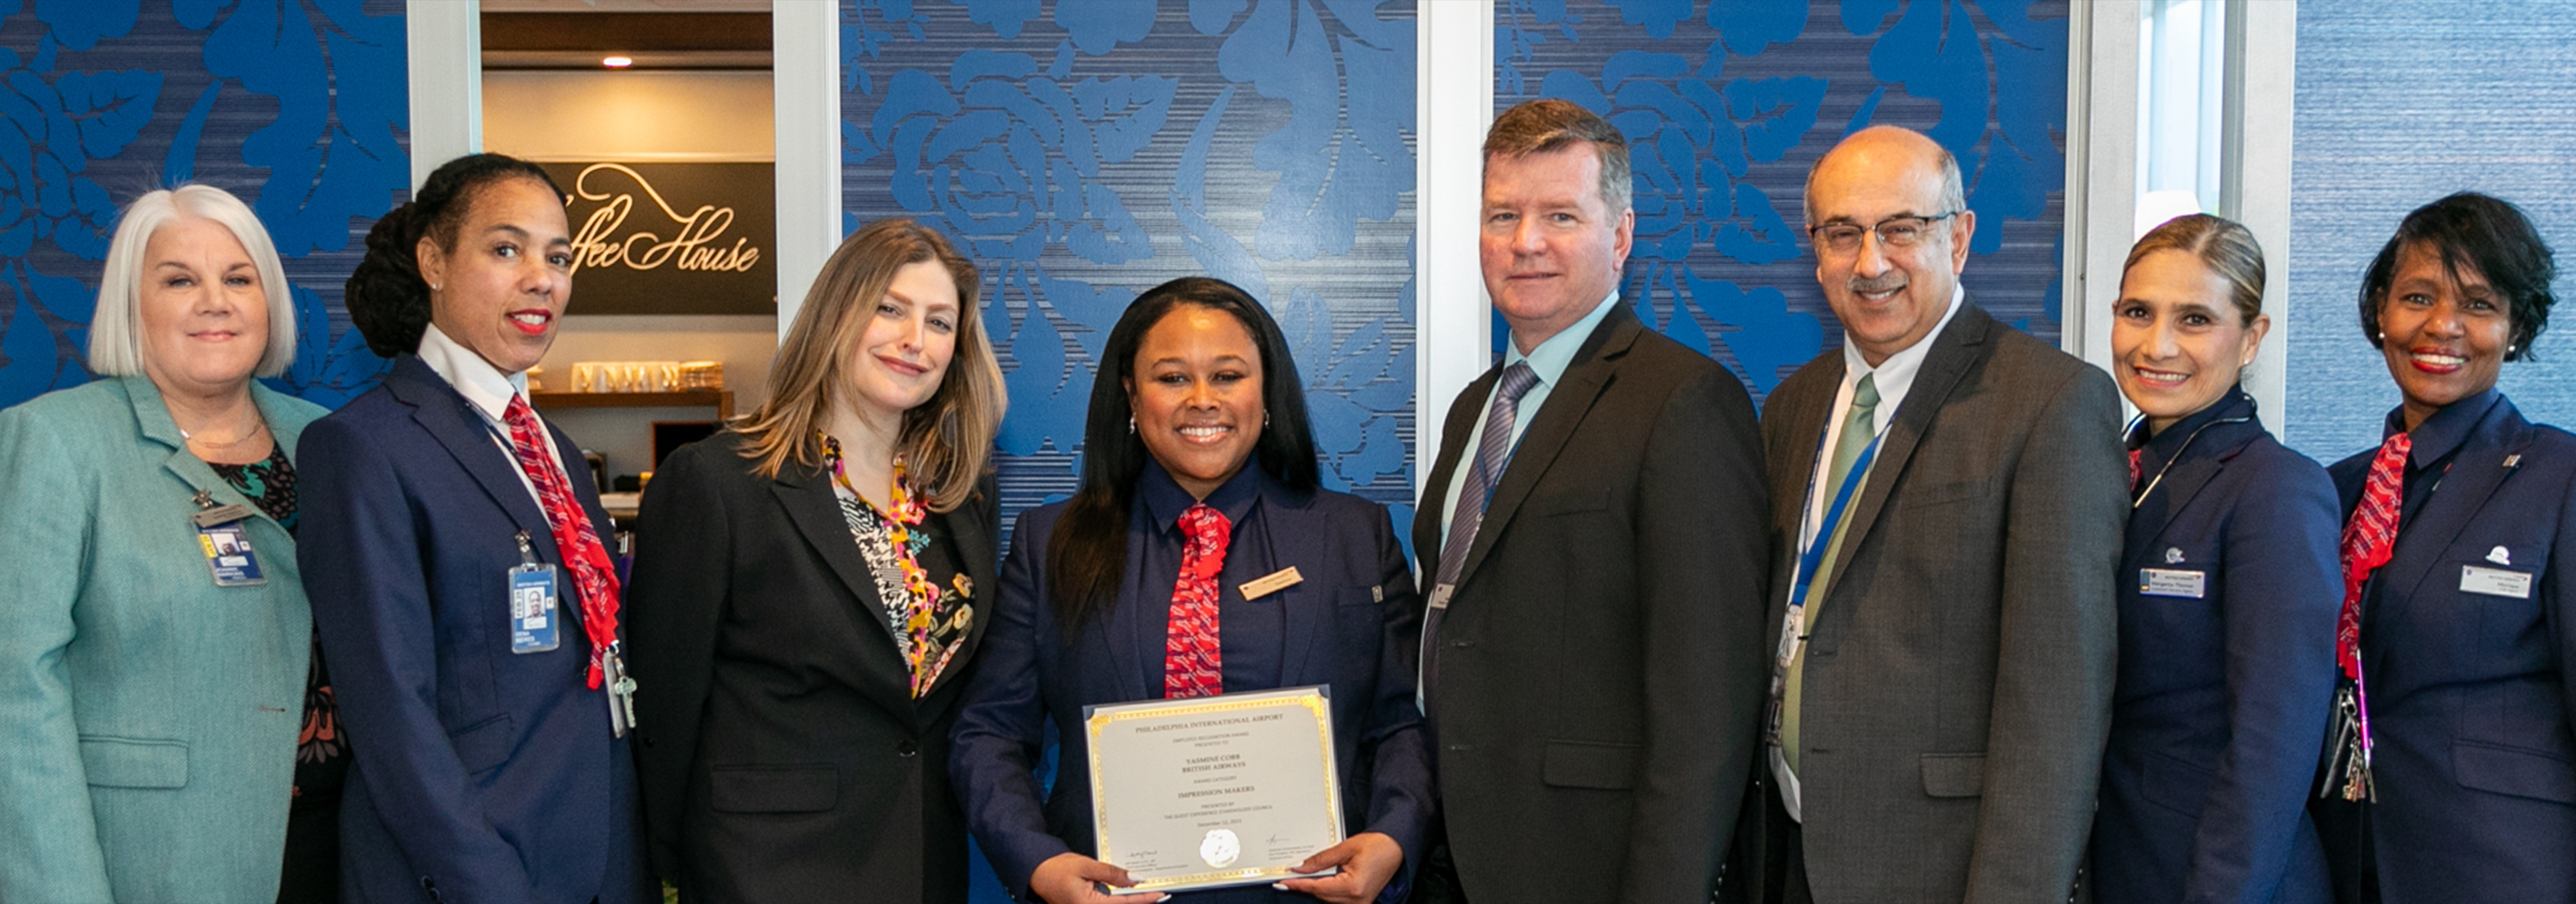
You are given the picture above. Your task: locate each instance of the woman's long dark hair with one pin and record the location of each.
(388, 301)
(1087, 554)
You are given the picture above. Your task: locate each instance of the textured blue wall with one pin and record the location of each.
(296, 106)
(2399, 103)
(1085, 151)
(1726, 103)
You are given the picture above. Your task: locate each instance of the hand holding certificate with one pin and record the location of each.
(1214, 791)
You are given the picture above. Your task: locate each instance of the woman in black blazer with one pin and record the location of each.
(809, 589)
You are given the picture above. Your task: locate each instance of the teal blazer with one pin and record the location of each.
(148, 717)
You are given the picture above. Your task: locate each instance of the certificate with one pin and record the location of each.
(1212, 791)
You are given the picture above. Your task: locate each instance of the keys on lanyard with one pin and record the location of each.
(621, 689)
(534, 629)
(2349, 754)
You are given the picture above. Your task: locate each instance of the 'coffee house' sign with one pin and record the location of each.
(670, 238)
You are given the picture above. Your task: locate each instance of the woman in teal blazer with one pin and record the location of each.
(149, 716)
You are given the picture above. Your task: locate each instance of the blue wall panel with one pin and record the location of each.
(1085, 151)
(1726, 103)
(2400, 103)
(297, 106)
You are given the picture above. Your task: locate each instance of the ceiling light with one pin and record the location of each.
(617, 62)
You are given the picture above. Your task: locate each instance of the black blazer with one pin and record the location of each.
(784, 758)
(1602, 665)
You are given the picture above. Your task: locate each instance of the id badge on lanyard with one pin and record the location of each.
(534, 627)
(223, 535)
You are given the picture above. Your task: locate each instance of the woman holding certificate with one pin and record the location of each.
(1198, 558)
(2227, 599)
(809, 595)
(2459, 618)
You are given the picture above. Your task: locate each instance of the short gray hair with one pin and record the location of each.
(115, 335)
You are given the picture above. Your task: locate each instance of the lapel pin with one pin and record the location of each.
(2513, 461)
(2500, 556)
(2173, 555)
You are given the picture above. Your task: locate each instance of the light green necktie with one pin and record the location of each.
(1859, 427)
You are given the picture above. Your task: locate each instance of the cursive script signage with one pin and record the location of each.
(670, 238)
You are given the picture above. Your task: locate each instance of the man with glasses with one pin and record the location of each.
(1948, 493)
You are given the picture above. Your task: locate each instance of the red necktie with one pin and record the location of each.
(2369, 538)
(592, 575)
(2133, 469)
(1192, 663)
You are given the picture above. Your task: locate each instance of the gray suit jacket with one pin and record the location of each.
(1958, 677)
(1601, 663)
(147, 717)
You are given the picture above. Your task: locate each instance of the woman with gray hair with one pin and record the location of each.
(154, 636)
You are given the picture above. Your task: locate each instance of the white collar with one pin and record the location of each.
(474, 378)
(1896, 374)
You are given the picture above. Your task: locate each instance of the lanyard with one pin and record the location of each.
(2150, 486)
(1815, 554)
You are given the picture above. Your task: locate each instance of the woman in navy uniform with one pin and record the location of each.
(2227, 603)
(492, 759)
(1199, 557)
(2462, 614)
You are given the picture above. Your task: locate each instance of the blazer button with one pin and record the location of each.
(906, 748)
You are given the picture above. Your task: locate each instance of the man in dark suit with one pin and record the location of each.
(1593, 656)
(1948, 496)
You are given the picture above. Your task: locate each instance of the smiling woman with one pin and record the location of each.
(154, 641)
(2457, 546)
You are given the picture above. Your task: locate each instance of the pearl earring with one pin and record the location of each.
(1131, 425)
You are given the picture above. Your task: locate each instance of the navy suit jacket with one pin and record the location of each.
(2470, 693)
(2222, 693)
(479, 775)
(1354, 624)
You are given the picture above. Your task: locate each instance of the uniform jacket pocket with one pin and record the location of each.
(2514, 771)
(1954, 774)
(483, 745)
(774, 789)
(132, 763)
(1588, 764)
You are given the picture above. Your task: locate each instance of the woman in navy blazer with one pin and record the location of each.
(795, 744)
(2227, 597)
(1195, 383)
(486, 770)
(2468, 631)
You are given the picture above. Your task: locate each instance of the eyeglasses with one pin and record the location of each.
(1893, 232)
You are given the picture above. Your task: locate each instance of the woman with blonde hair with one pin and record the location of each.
(154, 635)
(810, 589)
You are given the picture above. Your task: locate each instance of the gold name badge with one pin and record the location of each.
(1274, 582)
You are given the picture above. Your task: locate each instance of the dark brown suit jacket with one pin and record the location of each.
(1959, 670)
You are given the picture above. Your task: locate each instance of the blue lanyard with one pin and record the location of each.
(1815, 554)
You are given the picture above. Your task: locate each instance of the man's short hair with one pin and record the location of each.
(1954, 190)
(1548, 125)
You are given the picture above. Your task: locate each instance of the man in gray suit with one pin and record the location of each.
(1947, 495)
(1591, 536)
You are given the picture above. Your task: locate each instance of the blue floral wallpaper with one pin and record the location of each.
(1085, 151)
(297, 106)
(1726, 103)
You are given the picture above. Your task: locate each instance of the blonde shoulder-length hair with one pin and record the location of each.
(947, 440)
(116, 332)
